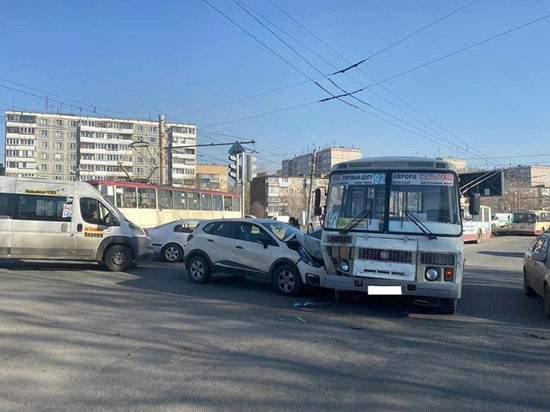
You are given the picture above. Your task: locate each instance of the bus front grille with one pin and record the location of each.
(339, 239)
(437, 259)
(384, 255)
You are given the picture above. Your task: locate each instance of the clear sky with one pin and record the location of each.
(261, 70)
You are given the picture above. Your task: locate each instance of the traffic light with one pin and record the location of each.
(250, 167)
(234, 167)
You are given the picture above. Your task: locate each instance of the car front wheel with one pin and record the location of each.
(287, 280)
(172, 253)
(118, 258)
(198, 269)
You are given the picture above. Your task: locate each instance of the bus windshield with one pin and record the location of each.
(412, 203)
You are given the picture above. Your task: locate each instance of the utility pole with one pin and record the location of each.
(308, 212)
(162, 136)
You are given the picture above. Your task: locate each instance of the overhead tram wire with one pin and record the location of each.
(339, 97)
(425, 27)
(345, 92)
(405, 72)
(67, 99)
(376, 83)
(267, 47)
(379, 52)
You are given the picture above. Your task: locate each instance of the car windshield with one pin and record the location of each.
(281, 230)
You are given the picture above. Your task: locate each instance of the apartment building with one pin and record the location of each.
(212, 177)
(63, 146)
(273, 195)
(528, 176)
(324, 161)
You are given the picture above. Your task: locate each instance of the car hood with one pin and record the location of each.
(311, 245)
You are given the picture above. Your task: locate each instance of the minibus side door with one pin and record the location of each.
(6, 214)
(41, 226)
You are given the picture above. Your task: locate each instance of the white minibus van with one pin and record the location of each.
(64, 220)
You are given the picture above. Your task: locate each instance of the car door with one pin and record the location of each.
(536, 269)
(541, 266)
(252, 255)
(219, 244)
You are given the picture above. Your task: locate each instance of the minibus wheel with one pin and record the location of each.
(118, 258)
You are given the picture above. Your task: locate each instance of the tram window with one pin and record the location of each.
(218, 202)
(129, 196)
(236, 203)
(193, 201)
(206, 201)
(227, 205)
(165, 199)
(147, 198)
(180, 200)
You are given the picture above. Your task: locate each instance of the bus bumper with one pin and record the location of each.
(372, 286)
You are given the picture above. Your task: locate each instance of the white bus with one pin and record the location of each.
(55, 219)
(530, 222)
(477, 227)
(393, 227)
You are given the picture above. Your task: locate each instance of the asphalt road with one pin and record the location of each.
(77, 337)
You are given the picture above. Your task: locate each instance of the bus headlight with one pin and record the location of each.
(431, 274)
(344, 265)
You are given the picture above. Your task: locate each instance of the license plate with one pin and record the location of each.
(384, 290)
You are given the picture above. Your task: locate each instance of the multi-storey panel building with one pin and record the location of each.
(324, 161)
(272, 195)
(54, 145)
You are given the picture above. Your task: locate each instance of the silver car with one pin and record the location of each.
(536, 270)
(170, 238)
(259, 248)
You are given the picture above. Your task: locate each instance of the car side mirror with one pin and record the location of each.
(264, 239)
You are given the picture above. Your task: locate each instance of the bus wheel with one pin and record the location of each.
(447, 306)
(479, 236)
(118, 258)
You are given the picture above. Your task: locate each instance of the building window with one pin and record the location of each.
(58, 168)
(72, 135)
(72, 156)
(44, 145)
(44, 121)
(58, 145)
(74, 123)
(58, 156)
(44, 133)
(72, 146)
(59, 122)
(44, 167)
(58, 134)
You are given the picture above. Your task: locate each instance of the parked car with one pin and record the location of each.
(169, 239)
(536, 270)
(259, 248)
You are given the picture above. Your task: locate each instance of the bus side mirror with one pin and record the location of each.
(317, 210)
(474, 204)
(317, 198)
